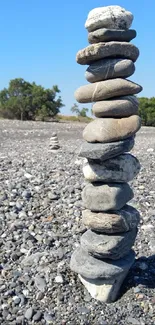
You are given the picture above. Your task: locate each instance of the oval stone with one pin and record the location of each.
(111, 129)
(104, 151)
(113, 246)
(109, 69)
(114, 17)
(108, 35)
(106, 89)
(106, 197)
(92, 268)
(118, 107)
(103, 50)
(110, 223)
(120, 169)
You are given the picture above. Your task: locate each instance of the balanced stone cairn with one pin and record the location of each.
(54, 143)
(104, 256)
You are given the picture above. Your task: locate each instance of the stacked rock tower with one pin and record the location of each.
(105, 254)
(54, 142)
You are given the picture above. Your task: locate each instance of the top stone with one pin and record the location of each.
(114, 17)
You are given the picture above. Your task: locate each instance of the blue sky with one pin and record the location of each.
(39, 40)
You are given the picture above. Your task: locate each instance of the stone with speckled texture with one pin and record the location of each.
(103, 50)
(114, 17)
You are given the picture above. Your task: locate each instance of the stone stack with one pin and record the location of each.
(104, 256)
(54, 142)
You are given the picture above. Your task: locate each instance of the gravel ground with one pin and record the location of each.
(40, 223)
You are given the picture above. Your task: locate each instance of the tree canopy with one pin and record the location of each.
(27, 101)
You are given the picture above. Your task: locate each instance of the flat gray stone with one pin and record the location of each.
(93, 268)
(109, 69)
(104, 151)
(123, 220)
(106, 197)
(108, 35)
(119, 169)
(111, 129)
(106, 89)
(112, 246)
(102, 50)
(116, 107)
(114, 17)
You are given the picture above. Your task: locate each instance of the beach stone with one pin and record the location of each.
(92, 268)
(114, 17)
(118, 169)
(116, 107)
(108, 35)
(106, 197)
(113, 246)
(98, 91)
(111, 129)
(104, 151)
(109, 69)
(102, 289)
(123, 220)
(102, 50)
(29, 313)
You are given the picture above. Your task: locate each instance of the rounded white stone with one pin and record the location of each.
(114, 17)
(119, 169)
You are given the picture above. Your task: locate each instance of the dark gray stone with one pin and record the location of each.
(109, 69)
(108, 35)
(103, 50)
(108, 246)
(92, 268)
(104, 151)
(106, 197)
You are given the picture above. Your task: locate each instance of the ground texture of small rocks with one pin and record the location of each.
(40, 225)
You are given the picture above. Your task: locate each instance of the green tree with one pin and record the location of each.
(75, 109)
(28, 101)
(147, 110)
(16, 100)
(83, 112)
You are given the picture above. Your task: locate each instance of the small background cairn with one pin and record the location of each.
(104, 256)
(54, 142)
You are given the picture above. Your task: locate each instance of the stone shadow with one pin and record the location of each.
(142, 274)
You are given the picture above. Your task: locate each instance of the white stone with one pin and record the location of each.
(119, 169)
(80, 161)
(150, 150)
(113, 17)
(59, 279)
(102, 289)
